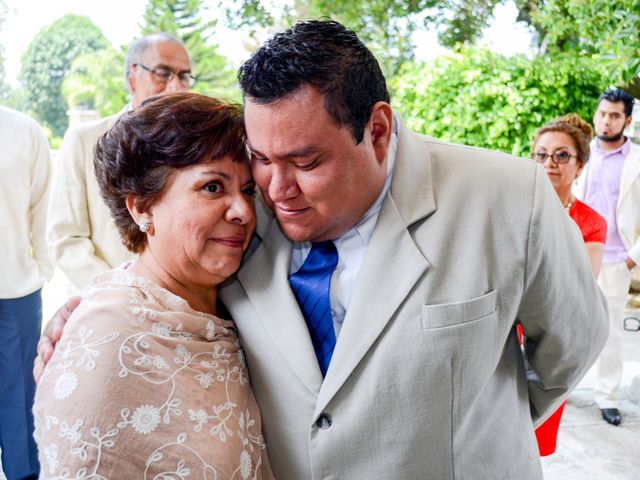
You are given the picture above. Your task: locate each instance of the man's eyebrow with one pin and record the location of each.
(299, 153)
(169, 67)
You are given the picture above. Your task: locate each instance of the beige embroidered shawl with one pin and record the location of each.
(143, 386)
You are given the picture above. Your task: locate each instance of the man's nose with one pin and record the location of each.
(282, 185)
(175, 85)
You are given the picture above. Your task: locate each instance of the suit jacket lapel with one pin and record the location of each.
(630, 170)
(392, 251)
(265, 281)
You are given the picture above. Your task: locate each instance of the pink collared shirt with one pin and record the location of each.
(602, 193)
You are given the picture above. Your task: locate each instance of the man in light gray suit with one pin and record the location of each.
(442, 250)
(422, 257)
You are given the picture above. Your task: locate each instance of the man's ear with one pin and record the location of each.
(131, 79)
(139, 213)
(380, 125)
(628, 121)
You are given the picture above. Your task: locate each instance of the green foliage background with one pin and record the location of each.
(96, 81)
(470, 96)
(45, 64)
(480, 98)
(184, 19)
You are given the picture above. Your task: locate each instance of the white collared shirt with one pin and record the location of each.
(351, 246)
(25, 166)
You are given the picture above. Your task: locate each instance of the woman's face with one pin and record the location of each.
(560, 174)
(203, 222)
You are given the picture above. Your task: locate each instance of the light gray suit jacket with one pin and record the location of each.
(427, 379)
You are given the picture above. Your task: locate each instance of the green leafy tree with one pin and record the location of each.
(96, 81)
(480, 98)
(607, 28)
(581, 26)
(45, 64)
(184, 19)
(385, 26)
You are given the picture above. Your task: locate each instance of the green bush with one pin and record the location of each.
(477, 97)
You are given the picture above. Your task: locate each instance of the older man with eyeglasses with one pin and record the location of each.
(80, 231)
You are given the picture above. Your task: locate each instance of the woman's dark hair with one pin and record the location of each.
(168, 132)
(574, 126)
(325, 55)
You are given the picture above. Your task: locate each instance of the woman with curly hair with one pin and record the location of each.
(562, 147)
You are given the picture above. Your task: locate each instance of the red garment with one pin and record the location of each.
(592, 225)
(594, 229)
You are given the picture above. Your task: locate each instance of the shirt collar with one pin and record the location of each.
(623, 149)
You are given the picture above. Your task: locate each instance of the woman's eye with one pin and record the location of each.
(213, 187)
(249, 191)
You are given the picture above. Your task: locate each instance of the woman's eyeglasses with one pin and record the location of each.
(556, 157)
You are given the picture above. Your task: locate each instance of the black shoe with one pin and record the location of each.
(611, 415)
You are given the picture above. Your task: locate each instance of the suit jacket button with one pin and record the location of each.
(324, 421)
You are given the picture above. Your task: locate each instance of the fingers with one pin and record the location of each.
(70, 306)
(45, 350)
(53, 328)
(38, 368)
(51, 335)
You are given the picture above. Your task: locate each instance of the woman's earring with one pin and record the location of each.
(144, 227)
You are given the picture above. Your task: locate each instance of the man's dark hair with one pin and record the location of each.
(146, 145)
(615, 95)
(325, 55)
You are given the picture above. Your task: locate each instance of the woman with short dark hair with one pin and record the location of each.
(148, 380)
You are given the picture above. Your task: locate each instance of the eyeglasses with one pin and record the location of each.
(165, 75)
(556, 157)
(632, 324)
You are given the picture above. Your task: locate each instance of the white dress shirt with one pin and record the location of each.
(351, 246)
(25, 165)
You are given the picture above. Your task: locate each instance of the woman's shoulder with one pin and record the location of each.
(111, 303)
(592, 225)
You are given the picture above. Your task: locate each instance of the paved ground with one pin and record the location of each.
(588, 448)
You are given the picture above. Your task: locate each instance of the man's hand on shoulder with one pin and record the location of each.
(51, 334)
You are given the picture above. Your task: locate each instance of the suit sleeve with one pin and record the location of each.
(69, 228)
(634, 251)
(38, 197)
(563, 312)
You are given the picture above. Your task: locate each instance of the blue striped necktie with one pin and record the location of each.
(310, 285)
